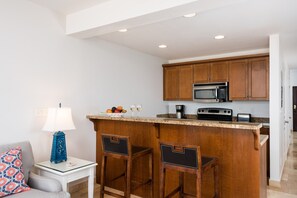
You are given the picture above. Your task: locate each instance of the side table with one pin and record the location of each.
(71, 170)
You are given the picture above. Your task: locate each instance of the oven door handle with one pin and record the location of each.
(217, 95)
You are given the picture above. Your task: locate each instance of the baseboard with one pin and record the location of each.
(274, 183)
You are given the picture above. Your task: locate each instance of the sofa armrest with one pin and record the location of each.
(44, 183)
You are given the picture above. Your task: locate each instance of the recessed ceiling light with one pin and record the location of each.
(123, 30)
(162, 46)
(190, 15)
(218, 37)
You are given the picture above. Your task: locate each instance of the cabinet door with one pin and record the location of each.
(201, 73)
(238, 79)
(171, 78)
(219, 71)
(259, 79)
(186, 83)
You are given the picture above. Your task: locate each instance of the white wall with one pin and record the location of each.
(41, 67)
(256, 108)
(293, 82)
(293, 77)
(278, 134)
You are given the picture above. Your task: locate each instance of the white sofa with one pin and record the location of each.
(40, 186)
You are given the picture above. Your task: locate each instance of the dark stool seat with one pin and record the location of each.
(186, 159)
(119, 147)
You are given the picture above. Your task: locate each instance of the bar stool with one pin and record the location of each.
(119, 147)
(186, 159)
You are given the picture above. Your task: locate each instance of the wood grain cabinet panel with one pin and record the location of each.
(238, 80)
(178, 83)
(249, 79)
(211, 72)
(171, 79)
(259, 79)
(201, 73)
(219, 71)
(186, 83)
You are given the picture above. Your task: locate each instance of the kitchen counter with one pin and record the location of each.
(263, 139)
(188, 122)
(239, 147)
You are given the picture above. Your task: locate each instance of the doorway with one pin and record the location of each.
(295, 109)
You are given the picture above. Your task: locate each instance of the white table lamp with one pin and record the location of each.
(58, 120)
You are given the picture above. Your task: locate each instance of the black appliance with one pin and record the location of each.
(220, 114)
(180, 111)
(211, 92)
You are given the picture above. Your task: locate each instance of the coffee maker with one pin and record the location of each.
(180, 111)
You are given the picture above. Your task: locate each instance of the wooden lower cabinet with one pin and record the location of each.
(239, 160)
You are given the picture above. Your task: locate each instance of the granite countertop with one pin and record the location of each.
(263, 139)
(189, 122)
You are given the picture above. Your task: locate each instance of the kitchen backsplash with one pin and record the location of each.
(256, 108)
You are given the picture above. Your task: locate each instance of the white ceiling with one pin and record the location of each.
(246, 25)
(68, 6)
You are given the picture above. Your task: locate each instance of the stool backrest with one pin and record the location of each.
(115, 144)
(185, 157)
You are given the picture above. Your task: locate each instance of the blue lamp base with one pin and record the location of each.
(59, 153)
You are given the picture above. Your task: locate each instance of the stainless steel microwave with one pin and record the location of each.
(211, 92)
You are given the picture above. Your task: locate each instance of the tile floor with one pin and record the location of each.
(288, 184)
(289, 178)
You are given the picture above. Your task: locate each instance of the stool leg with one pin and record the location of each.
(198, 184)
(216, 184)
(181, 184)
(162, 181)
(151, 173)
(103, 172)
(129, 168)
(125, 178)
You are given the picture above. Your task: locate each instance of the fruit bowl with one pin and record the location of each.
(115, 115)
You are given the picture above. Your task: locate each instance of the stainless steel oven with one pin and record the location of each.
(211, 92)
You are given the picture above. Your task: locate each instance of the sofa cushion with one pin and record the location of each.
(33, 193)
(11, 173)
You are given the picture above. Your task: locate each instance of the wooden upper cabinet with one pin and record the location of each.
(201, 73)
(186, 83)
(211, 72)
(249, 79)
(259, 79)
(219, 71)
(178, 83)
(171, 79)
(238, 80)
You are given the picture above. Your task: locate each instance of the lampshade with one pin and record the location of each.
(58, 119)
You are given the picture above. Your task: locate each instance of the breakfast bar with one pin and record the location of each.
(239, 147)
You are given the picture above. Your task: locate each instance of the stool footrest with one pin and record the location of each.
(176, 190)
(141, 183)
(118, 177)
(113, 194)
